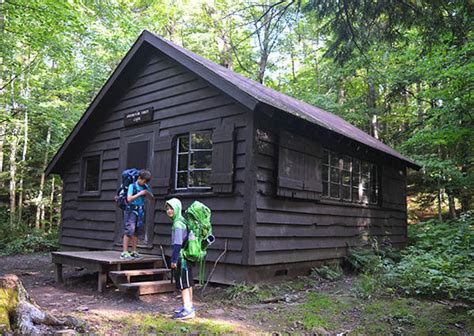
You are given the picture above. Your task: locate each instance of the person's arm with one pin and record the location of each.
(149, 192)
(179, 236)
(131, 197)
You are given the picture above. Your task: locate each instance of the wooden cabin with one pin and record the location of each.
(290, 185)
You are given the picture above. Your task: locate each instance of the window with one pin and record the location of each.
(349, 179)
(193, 161)
(91, 174)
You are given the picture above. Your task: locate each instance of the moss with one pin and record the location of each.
(149, 323)
(8, 303)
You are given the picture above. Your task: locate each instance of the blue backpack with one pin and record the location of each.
(129, 176)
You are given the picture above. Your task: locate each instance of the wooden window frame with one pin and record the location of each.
(189, 170)
(347, 166)
(83, 192)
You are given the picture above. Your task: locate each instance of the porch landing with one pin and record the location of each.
(102, 262)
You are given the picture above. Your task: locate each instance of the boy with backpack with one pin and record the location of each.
(182, 267)
(134, 212)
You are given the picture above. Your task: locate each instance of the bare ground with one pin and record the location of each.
(333, 307)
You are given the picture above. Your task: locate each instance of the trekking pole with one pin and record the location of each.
(163, 257)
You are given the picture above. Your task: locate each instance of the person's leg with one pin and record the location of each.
(186, 296)
(125, 243)
(134, 243)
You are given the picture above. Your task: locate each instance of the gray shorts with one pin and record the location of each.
(130, 221)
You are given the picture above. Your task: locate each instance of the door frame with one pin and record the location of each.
(135, 134)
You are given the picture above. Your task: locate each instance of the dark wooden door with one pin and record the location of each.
(136, 151)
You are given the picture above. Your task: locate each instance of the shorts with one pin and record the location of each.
(130, 221)
(184, 276)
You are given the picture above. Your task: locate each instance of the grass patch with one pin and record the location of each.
(156, 324)
(408, 316)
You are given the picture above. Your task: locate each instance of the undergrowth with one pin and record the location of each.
(23, 240)
(437, 262)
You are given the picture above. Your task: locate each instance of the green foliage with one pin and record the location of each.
(328, 272)
(24, 240)
(438, 262)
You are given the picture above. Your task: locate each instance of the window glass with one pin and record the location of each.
(194, 160)
(91, 173)
(349, 179)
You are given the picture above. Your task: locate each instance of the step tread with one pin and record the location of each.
(145, 283)
(140, 272)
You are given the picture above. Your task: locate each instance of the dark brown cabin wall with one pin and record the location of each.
(290, 230)
(181, 102)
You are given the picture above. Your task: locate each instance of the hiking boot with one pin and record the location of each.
(126, 256)
(185, 314)
(135, 255)
(178, 310)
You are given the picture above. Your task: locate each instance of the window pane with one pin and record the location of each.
(334, 160)
(364, 183)
(325, 189)
(325, 173)
(334, 190)
(183, 144)
(201, 140)
(92, 174)
(182, 180)
(199, 178)
(346, 193)
(355, 194)
(183, 162)
(346, 178)
(201, 159)
(346, 162)
(335, 175)
(355, 166)
(365, 196)
(355, 180)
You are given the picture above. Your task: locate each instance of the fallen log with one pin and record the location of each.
(21, 315)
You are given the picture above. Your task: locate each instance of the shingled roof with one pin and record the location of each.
(248, 92)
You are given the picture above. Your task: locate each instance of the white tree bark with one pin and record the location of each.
(12, 189)
(40, 203)
(23, 161)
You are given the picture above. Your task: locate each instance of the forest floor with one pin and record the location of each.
(306, 305)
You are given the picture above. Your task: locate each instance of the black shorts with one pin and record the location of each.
(184, 275)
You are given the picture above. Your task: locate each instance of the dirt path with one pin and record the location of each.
(308, 305)
(104, 313)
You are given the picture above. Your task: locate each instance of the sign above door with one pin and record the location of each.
(138, 117)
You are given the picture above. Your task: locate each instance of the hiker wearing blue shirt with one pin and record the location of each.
(133, 215)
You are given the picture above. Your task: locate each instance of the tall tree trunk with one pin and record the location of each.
(372, 104)
(13, 167)
(51, 203)
(2, 141)
(23, 166)
(440, 201)
(40, 204)
(452, 205)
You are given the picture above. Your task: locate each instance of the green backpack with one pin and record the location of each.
(198, 224)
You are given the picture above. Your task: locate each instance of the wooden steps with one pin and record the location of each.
(147, 287)
(143, 281)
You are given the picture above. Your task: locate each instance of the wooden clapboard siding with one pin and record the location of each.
(289, 230)
(182, 102)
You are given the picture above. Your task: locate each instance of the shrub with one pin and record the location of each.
(331, 273)
(438, 261)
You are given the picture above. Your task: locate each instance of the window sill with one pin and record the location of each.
(92, 194)
(191, 194)
(325, 200)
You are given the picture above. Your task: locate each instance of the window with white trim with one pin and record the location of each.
(193, 161)
(349, 179)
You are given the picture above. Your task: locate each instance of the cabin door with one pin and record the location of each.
(136, 151)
